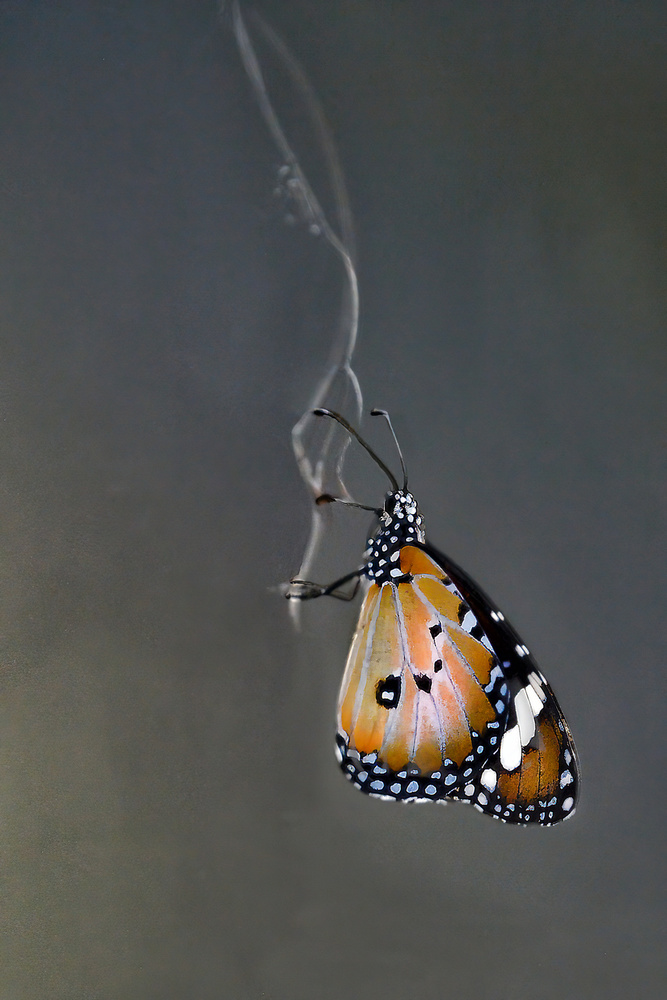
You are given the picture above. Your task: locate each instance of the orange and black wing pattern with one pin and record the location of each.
(440, 698)
(424, 702)
(534, 777)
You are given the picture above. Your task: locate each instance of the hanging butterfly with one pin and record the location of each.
(440, 698)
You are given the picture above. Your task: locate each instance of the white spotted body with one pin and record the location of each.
(400, 524)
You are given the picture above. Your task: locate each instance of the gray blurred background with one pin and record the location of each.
(172, 821)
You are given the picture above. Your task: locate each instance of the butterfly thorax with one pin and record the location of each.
(401, 523)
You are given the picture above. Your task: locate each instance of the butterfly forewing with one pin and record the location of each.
(534, 777)
(423, 703)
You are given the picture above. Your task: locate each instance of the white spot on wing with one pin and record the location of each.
(534, 699)
(566, 779)
(567, 804)
(489, 778)
(510, 749)
(524, 716)
(537, 686)
(469, 621)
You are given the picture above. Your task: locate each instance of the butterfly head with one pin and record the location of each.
(401, 523)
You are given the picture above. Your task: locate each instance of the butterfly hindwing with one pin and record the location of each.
(543, 786)
(423, 702)
(534, 777)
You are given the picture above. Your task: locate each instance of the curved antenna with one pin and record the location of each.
(321, 412)
(383, 413)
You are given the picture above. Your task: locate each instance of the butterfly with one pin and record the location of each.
(440, 697)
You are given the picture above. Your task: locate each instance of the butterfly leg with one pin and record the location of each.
(306, 590)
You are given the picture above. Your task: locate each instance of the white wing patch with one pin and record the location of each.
(510, 749)
(534, 699)
(525, 716)
(489, 778)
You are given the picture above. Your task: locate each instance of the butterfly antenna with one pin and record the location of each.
(383, 413)
(321, 412)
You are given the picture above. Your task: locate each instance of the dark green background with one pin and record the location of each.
(172, 822)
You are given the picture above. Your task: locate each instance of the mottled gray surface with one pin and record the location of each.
(172, 822)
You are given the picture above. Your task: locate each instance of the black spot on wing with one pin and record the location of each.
(388, 691)
(423, 682)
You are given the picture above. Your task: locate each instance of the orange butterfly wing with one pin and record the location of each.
(423, 703)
